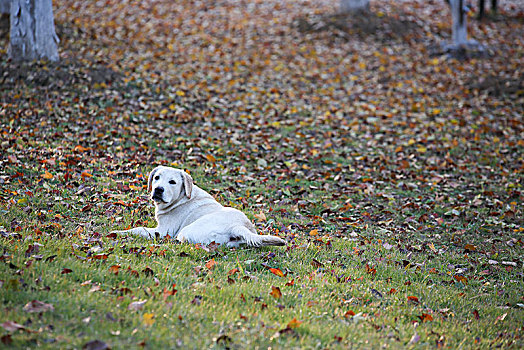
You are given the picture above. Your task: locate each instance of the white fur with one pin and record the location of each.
(188, 213)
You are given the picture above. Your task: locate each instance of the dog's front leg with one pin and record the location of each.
(150, 233)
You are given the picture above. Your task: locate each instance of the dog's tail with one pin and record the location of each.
(242, 235)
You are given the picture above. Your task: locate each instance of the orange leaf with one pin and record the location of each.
(461, 279)
(277, 272)
(47, 175)
(275, 292)
(210, 158)
(470, 247)
(233, 271)
(114, 269)
(313, 232)
(392, 291)
(348, 314)
(100, 256)
(413, 299)
(294, 323)
(371, 270)
(426, 317)
(290, 283)
(211, 263)
(85, 174)
(80, 148)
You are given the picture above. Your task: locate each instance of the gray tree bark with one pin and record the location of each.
(354, 5)
(4, 6)
(33, 35)
(459, 29)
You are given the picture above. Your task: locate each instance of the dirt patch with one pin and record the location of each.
(498, 86)
(67, 73)
(362, 24)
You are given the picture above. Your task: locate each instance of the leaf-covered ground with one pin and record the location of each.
(394, 173)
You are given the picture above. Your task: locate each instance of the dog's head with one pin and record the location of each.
(169, 185)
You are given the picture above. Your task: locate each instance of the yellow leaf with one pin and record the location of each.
(275, 292)
(421, 149)
(148, 319)
(180, 93)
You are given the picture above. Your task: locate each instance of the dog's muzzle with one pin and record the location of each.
(158, 194)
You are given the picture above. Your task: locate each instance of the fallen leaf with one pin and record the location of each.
(413, 299)
(211, 264)
(294, 323)
(148, 319)
(275, 292)
(276, 271)
(137, 305)
(38, 306)
(349, 314)
(11, 326)
(426, 317)
(233, 271)
(261, 216)
(114, 269)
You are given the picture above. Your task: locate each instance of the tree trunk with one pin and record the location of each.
(354, 5)
(32, 33)
(4, 6)
(459, 30)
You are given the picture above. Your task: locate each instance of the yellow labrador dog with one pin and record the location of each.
(188, 213)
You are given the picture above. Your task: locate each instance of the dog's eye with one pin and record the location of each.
(157, 177)
(172, 182)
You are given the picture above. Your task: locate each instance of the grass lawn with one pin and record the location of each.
(395, 177)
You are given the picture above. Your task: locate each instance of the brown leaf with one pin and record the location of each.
(315, 263)
(275, 292)
(233, 271)
(294, 323)
(426, 317)
(11, 326)
(114, 269)
(211, 264)
(38, 306)
(100, 256)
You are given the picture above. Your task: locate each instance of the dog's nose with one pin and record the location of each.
(158, 190)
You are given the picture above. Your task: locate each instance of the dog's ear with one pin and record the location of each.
(188, 184)
(150, 178)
